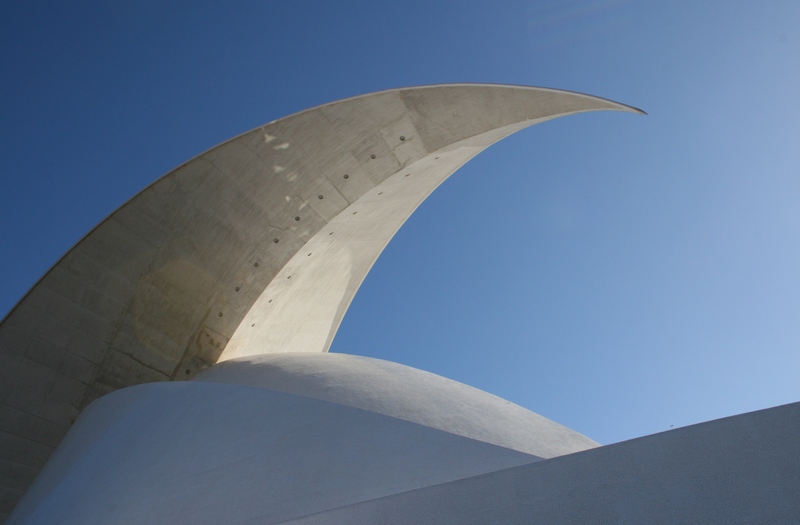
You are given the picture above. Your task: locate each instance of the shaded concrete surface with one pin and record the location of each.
(738, 470)
(206, 452)
(405, 393)
(257, 245)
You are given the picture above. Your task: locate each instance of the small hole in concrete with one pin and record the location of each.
(219, 314)
(372, 156)
(289, 277)
(319, 197)
(255, 264)
(355, 212)
(275, 240)
(297, 218)
(236, 289)
(309, 255)
(402, 137)
(187, 371)
(252, 325)
(346, 176)
(380, 193)
(268, 302)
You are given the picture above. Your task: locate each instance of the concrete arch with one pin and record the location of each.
(257, 245)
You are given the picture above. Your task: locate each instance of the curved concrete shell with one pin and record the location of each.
(281, 437)
(336, 439)
(404, 393)
(256, 246)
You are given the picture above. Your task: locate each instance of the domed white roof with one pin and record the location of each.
(405, 393)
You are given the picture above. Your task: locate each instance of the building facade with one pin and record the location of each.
(187, 335)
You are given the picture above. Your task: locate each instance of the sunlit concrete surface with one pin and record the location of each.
(405, 393)
(344, 440)
(319, 432)
(256, 246)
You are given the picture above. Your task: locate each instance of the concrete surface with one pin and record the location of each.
(257, 245)
(405, 393)
(204, 452)
(734, 471)
(207, 452)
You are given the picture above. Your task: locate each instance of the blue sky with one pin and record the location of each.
(625, 274)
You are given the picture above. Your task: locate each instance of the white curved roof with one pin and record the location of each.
(213, 453)
(275, 437)
(405, 393)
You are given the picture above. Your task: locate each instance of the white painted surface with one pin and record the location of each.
(208, 453)
(741, 470)
(405, 393)
(204, 452)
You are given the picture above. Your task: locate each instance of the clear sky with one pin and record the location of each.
(619, 274)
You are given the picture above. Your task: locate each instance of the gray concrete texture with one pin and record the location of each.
(257, 245)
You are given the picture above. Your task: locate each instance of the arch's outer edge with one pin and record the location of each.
(157, 290)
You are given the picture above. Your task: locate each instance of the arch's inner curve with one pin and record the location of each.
(301, 309)
(303, 306)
